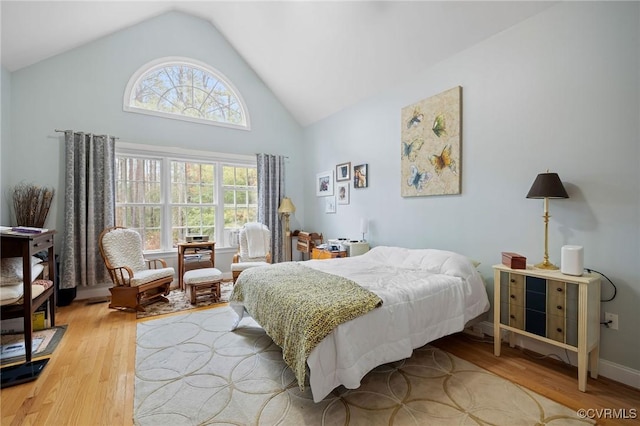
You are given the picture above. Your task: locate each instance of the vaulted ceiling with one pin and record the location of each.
(317, 57)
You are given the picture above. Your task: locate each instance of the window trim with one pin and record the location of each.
(179, 60)
(166, 154)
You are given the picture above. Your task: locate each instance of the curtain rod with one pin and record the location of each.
(285, 156)
(64, 131)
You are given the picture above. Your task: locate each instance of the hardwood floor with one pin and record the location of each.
(549, 377)
(89, 379)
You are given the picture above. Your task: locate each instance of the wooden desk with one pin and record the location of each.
(25, 246)
(185, 248)
(326, 254)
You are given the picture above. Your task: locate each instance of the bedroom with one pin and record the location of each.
(557, 91)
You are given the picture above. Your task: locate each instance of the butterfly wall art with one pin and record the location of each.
(411, 149)
(418, 178)
(430, 145)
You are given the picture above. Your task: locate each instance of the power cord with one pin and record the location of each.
(615, 291)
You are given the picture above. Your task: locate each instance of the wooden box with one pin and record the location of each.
(514, 260)
(307, 241)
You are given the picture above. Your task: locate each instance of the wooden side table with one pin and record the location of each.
(326, 254)
(25, 246)
(187, 248)
(549, 306)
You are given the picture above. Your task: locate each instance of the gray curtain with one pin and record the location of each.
(89, 206)
(270, 193)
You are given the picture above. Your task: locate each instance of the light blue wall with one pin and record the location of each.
(559, 91)
(83, 90)
(5, 135)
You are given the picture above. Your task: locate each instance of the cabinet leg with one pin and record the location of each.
(594, 359)
(582, 370)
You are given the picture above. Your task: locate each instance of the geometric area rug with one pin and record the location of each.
(179, 301)
(190, 369)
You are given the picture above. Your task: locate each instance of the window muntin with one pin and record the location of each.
(193, 199)
(240, 189)
(165, 197)
(139, 198)
(188, 90)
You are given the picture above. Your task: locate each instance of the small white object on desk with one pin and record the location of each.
(355, 248)
(572, 260)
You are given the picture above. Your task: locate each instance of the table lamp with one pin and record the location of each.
(364, 227)
(286, 208)
(547, 185)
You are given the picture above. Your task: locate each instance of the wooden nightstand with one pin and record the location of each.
(552, 307)
(208, 247)
(326, 254)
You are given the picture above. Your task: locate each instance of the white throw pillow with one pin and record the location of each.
(11, 270)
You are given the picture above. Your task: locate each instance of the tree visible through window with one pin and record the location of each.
(166, 198)
(185, 89)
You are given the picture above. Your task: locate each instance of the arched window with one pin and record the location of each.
(185, 89)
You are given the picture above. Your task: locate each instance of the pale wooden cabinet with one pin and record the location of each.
(552, 307)
(326, 254)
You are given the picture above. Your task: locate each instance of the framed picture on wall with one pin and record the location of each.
(330, 205)
(342, 191)
(430, 145)
(324, 184)
(360, 176)
(343, 172)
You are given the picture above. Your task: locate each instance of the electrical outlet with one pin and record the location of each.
(613, 318)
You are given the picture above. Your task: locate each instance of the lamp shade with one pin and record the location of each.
(547, 185)
(286, 206)
(364, 225)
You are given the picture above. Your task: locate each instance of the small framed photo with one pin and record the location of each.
(324, 184)
(342, 191)
(343, 172)
(330, 205)
(360, 176)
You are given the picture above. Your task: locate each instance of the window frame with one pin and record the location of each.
(151, 66)
(168, 154)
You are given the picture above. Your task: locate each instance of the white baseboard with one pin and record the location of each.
(608, 369)
(91, 292)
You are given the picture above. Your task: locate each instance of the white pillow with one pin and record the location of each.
(11, 269)
(10, 294)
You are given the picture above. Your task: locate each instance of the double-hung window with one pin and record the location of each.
(168, 194)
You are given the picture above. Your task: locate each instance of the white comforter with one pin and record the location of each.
(426, 294)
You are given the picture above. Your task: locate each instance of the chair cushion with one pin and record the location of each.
(202, 275)
(123, 247)
(245, 265)
(148, 275)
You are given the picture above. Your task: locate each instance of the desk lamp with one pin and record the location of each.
(286, 208)
(547, 185)
(364, 227)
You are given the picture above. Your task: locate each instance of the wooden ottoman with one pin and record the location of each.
(203, 282)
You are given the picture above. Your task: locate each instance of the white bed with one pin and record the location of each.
(426, 294)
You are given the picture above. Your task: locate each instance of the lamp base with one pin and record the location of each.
(546, 265)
